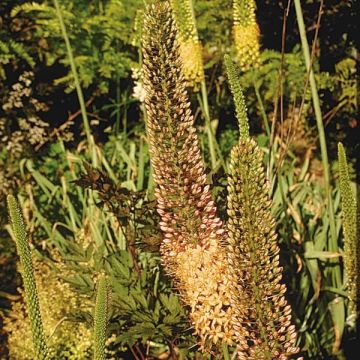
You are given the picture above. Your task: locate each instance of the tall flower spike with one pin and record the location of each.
(100, 319)
(351, 235)
(191, 250)
(31, 294)
(190, 47)
(246, 34)
(253, 249)
(239, 100)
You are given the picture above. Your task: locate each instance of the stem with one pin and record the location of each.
(213, 145)
(225, 350)
(333, 246)
(79, 92)
(209, 131)
(262, 110)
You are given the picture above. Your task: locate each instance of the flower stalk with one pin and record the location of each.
(100, 319)
(191, 250)
(253, 248)
(27, 273)
(351, 235)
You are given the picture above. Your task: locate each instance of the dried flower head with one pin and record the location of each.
(246, 34)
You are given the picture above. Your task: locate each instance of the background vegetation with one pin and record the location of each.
(84, 180)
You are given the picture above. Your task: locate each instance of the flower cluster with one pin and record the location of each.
(228, 275)
(246, 34)
(351, 228)
(189, 44)
(192, 250)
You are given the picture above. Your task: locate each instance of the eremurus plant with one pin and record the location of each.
(253, 248)
(246, 34)
(189, 44)
(100, 318)
(41, 349)
(192, 250)
(351, 236)
(27, 272)
(229, 276)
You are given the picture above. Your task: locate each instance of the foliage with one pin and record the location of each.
(99, 35)
(83, 221)
(59, 304)
(93, 236)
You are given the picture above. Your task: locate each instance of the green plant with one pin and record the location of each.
(10, 51)
(320, 128)
(100, 318)
(191, 250)
(253, 247)
(350, 222)
(60, 306)
(31, 294)
(100, 35)
(79, 92)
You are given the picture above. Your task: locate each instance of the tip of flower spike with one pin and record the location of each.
(343, 167)
(341, 150)
(239, 100)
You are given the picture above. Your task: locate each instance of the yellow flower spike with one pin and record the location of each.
(246, 34)
(189, 44)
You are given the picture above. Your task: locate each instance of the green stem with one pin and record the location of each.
(206, 113)
(213, 145)
(79, 92)
(262, 110)
(225, 350)
(333, 246)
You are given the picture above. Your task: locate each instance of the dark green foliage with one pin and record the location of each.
(101, 36)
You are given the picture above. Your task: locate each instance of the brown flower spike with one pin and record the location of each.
(253, 249)
(192, 250)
